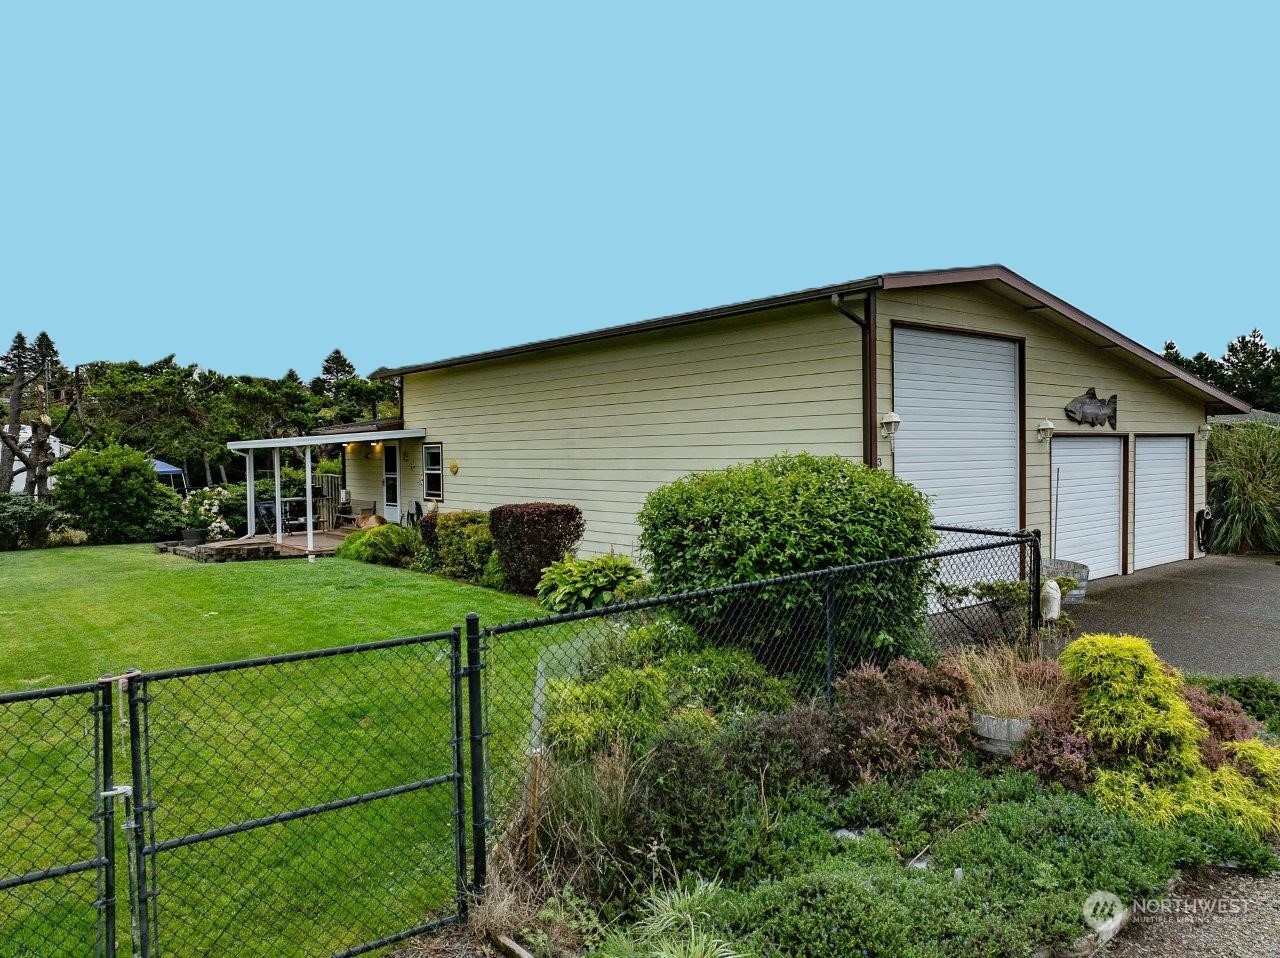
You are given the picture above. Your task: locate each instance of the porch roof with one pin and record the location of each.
(330, 439)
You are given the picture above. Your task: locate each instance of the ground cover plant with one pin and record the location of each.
(248, 743)
(872, 825)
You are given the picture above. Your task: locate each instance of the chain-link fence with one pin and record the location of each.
(305, 804)
(56, 879)
(318, 803)
(739, 647)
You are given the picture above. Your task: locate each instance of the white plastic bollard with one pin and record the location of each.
(1050, 601)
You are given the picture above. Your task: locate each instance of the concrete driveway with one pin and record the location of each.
(1219, 615)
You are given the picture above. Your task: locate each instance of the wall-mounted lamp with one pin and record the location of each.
(1202, 433)
(889, 424)
(1045, 430)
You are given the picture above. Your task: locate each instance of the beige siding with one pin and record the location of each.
(1060, 365)
(602, 424)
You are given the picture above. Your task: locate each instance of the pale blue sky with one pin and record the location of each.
(250, 185)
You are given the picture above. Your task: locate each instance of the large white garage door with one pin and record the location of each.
(958, 442)
(1161, 509)
(1086, 502)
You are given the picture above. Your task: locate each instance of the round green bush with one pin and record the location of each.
(787, 514)
(387, 544)
(114, 495)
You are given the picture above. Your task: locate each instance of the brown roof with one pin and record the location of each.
(999, 279)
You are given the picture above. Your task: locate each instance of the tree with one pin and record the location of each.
(334, 371)
(1249, 370)
(30, 371)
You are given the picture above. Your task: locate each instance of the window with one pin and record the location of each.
(433, 471)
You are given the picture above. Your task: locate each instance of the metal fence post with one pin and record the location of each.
(107, 798)
(830, 603)
(1034, 545)
(459, 771)
(475, 702)
(138, 824)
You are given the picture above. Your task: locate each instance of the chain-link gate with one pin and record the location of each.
(57, 863)
(305, 804)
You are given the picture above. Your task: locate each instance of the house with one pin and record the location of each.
(1008, 406)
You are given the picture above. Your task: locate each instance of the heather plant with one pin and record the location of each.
(899, 719)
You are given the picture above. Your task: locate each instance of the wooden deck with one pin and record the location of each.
(294, 546)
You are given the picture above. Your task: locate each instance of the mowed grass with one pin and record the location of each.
(73, 615)
(242, 744)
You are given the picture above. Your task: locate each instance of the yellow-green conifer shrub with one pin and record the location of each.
(1146, 735)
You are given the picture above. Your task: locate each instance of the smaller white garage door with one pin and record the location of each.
(1086, 502)
(1161, 510)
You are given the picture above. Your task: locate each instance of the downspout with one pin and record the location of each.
(867, 323)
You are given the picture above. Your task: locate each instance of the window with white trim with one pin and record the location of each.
(433, 471)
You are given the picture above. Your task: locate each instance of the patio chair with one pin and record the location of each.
(267, 519)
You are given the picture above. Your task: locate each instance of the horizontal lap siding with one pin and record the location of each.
(602, 424)
(1060, 365)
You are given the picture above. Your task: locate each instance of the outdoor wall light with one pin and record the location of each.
(1202, 433)
(889, 424)
(1045, 430)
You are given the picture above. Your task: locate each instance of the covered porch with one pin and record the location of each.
(305, 536)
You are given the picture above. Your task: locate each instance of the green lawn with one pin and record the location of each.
(73, 615)
(238, 745)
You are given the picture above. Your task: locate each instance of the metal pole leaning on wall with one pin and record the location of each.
(475, 702)
(1034, 545)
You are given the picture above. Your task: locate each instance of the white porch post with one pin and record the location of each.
(311, 535)
(250, 506)
(275, 463)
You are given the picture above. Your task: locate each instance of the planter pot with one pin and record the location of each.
(194, 537)
(1077, 570)
(999, 736)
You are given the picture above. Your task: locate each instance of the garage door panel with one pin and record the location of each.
(961, 424)
(1086, 502)
(1161, 506)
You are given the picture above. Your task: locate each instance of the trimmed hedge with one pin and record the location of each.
(530, 536)
(786, 514)
(464, 544)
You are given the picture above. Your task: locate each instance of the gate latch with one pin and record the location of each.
(120, 791)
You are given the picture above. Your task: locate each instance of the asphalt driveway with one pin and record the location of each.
(1220, 614)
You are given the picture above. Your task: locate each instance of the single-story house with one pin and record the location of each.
(1011, 408)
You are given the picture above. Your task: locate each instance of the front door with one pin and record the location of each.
(391, 481)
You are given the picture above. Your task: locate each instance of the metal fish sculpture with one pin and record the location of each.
(1089, 410)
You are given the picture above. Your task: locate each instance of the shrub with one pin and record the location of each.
(1131, 708)
(1258, 695)
(623, 705)
(203, 509)
(26, 522)
(427, 529)
(1148, 739)
(900, 719)
(1223, 719)
(1244, 476)
(464, 544)
(113, 494)
(572, 585)
(381, 545)
(1055, 751)
(793, 513)
(65, 538)
(530, 536)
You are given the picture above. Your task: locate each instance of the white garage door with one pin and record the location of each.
(1086, 500)
(1161, 509)
(958, 442)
